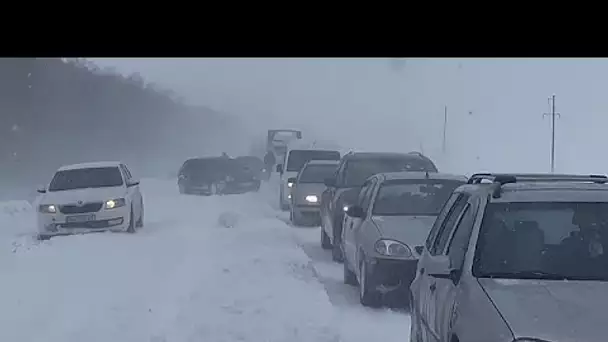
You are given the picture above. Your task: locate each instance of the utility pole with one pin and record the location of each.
(553, 115)
(445, 127)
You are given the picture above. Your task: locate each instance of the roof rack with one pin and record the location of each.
(500, 179)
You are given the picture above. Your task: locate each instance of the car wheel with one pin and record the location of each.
(415, 335)
(131, 227)
(140, 222)
(368, 296)
(295, 218)
(336, 251)
(325, 242)
(349, 276)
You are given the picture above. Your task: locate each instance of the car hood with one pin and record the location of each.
(411, 230)
(84, 195)
(555, 311)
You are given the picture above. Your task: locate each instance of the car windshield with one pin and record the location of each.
(415, 197)
(544, 240)
(98, 177)
(357, 171)
(317, 173)
(298, 158)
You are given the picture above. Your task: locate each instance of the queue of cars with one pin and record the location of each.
(492, 257)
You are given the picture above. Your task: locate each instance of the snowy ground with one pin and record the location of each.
(184, 277)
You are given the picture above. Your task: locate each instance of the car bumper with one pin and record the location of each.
(200, 188)
(310, 213)
(389, 275)
(103, 220)
(241, 187)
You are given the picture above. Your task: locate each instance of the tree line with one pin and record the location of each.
(59, 111)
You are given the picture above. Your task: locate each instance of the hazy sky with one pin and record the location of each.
(495, 106)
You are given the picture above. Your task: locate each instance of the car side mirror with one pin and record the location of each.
(41, 190)
(355, 211)
(132, 183)
(280, 168)
(330, 182)
(440, 267)
(419, 249)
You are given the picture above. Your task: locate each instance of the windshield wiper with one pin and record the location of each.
(536, 274)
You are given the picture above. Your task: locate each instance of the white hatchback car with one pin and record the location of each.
(90, 197)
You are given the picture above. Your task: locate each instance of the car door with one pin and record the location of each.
(348, 236)
(331, 202)
(326, 198)
(364, 228)
(438, 248)
(447, 289)
(421, 283)
(133, 193)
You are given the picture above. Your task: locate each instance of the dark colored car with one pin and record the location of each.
(255, 166)
(354, 169)
(392, 215)
(216, 175)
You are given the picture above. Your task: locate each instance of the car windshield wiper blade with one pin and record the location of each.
(535, 274)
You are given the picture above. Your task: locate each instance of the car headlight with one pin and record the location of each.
(289, 184)
(345, 208)
(312, 199)
(392, 248)
(47, 208)
(115, 203)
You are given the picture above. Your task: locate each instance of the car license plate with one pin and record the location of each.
(80, 218)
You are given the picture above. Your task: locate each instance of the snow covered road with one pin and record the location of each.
(183, 277)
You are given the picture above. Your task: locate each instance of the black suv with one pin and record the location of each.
(344, 186)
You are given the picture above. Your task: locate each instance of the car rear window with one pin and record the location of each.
(298, 158)
(317, 173)
(413, 197)
(98, 177)
(358, 170)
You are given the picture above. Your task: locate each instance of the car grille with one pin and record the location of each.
(81, 209)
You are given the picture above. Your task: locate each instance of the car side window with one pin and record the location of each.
(449, 224)
(439, 220)
(124, 173)
(340, 173)
(127, 171)
(459, 242)
(368, 195)
(364, 189)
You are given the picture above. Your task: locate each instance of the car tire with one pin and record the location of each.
(131, 227)
(367, 296)
(336, 252)
(349, 276)
(140, 221)
(295, 219)
(325, 242)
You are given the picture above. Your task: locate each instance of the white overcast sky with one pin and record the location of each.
(495, 106)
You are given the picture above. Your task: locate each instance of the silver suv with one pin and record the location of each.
(523, 258)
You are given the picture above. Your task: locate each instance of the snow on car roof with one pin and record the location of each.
(90, 165)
